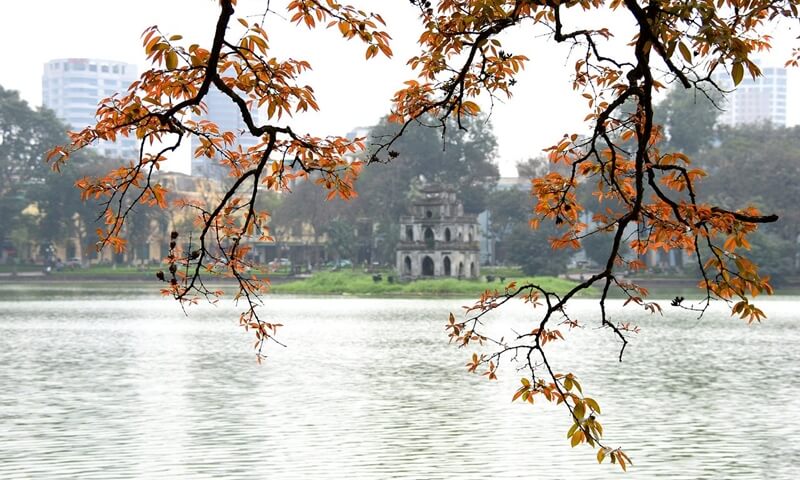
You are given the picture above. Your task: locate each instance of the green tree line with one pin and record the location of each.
(39, 207)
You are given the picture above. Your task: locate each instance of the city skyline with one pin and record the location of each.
(524, 125)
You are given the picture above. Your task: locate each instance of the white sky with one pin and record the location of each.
(351, 92)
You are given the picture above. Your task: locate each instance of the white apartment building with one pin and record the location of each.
(757, 100)
(72, 88)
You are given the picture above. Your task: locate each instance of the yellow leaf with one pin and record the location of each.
(579, 411)
(172, 60)
(471, 107)
(572, 430)
(577, 438)
(687, 55)
(592, 403)
(737, 73)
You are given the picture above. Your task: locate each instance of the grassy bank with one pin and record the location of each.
(353, 283)
(102, 273)
(106, 271)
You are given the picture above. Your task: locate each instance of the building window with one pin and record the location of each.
(428, 213)
(104, 68)
(407, 266)
(446, 234)
(409, 234)
(446, 266)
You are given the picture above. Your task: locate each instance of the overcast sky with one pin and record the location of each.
(351, 92)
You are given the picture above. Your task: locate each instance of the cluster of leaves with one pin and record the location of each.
(647, 195)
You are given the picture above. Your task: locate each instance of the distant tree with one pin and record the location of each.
(508, 212)
(65, 215)
(533, 167)
(777, 256)
(517, 244)
(341, 239)
(531, 250)
(598, 246)
(463, 158)
(689, 118)
(507, 208)
(306, 209)
(758, 165)
(26, 135)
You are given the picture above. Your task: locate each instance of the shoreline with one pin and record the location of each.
(336, 286)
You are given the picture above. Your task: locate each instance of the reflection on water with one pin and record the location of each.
(112, 386)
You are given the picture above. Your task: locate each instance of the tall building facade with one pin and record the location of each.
(72, 88)
(758, 100)
(226, 115)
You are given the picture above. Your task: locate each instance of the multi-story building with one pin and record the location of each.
(758, 100)
(72, 88)
(226, 115)
(438, 239)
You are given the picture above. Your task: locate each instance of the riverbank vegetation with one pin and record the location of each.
(357, 283)
(344, 282)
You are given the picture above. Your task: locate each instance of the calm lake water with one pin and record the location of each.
(99, 384)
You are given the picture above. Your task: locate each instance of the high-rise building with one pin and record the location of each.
(758, 100)
(226, 115)
(72, 88)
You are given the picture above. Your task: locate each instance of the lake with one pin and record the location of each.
(103, 383)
